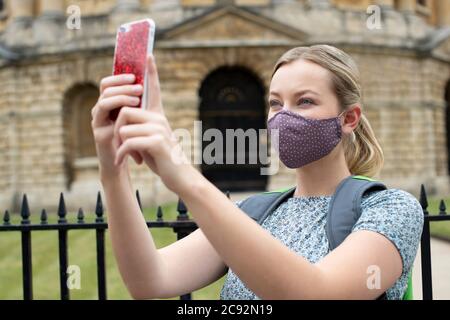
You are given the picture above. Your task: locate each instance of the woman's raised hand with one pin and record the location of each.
(115, 92)
(148, 134)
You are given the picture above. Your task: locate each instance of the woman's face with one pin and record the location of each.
(303, 87)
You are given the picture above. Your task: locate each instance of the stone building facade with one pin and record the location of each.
(215, 60)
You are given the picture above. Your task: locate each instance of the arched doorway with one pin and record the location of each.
(233, 98)
(79, 145)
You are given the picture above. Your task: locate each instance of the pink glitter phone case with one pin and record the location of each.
(134, 43)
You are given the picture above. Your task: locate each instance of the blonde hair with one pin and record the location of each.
(363, 153)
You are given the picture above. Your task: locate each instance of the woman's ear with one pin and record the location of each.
(351, 119)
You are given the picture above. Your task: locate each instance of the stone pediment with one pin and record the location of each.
(230, 26)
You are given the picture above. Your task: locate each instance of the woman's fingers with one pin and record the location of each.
(103, 134)
(106, 105)
(139, 130)
(128, 90)
(131, 131)
(150, 144)
(154, 101)
(138, 116)
(115, 97)
(130, 115)
(109, 131)
(117, 80)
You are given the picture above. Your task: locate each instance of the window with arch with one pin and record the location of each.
(79, 143)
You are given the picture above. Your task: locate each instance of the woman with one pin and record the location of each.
(286, 257)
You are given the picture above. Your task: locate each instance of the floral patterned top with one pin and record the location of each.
(300, 222)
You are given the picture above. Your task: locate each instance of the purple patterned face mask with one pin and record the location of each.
(303, 140)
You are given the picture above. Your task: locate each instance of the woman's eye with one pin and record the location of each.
(305, 101)
(274, 103)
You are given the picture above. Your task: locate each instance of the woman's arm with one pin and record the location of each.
(273, 271)
(139, 262)
(182, 267)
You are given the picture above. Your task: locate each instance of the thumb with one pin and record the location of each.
(154, 102)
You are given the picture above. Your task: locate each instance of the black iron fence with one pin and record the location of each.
(182, 226)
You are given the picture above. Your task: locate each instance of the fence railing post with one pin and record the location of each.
(43, 217)
(159, 214)
(6, 218)
(100, 240)
(181, 233)
(27, 266)
(427, 287)
(62, 247)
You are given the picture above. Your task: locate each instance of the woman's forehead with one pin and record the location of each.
(300, 75)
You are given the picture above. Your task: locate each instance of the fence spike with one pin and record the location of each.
(442, 208)
(80, 216)
(62, 212)
(159, 214)
(43, 216)
(99, 208)
(6, 218)
(138, 197)
(423, 199)
(25, 211)
(182, 210)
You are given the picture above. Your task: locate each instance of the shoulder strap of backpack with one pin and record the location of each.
(345, 207)
(259, 206)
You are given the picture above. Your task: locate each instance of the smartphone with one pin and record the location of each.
(134, 42)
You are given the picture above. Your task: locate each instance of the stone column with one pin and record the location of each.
(52, 8)
(407, 5)
(19, 29)
(165, 4)
(388, 4)
(167, 12)
(320, 4)
(21, 9)
(127, 5)
(225, 2)
(50, 24)
(443, 12)
(126, 11)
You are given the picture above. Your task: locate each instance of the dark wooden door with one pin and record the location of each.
(233, 98)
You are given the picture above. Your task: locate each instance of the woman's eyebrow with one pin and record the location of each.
(298, 93)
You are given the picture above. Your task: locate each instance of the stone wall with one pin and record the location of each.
(403, 99)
